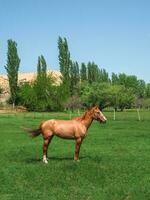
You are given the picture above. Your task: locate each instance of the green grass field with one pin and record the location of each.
(114, 160)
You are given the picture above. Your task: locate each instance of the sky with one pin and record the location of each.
(115, 34)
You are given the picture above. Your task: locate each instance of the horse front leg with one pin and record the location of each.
(77, 148)
(45, 148)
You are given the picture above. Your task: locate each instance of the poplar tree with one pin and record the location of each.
(93, 72)
(41, 65)
(83, 72)
(74, 77)
(114, 79)
(12, 68)
(43, 86)
(64, 61)
(103, 75)
(148, 90)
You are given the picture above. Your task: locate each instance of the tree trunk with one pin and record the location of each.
(13, 105)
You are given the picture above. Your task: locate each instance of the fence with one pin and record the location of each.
(127, 115)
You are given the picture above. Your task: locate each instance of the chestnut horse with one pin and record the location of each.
(68, 129)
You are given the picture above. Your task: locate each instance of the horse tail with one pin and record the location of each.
(33, 132)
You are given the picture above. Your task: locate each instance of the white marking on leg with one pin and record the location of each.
(45, 159)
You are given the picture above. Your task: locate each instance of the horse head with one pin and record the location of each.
(97, 114)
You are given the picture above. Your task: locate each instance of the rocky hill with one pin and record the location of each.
(22, 77)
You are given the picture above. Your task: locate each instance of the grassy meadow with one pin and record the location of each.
(114, 160)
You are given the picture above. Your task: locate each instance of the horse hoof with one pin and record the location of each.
(45, 161)
(76, 160)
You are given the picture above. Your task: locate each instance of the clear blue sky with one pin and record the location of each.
(115, 34)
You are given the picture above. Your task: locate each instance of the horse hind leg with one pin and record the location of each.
(46, 143)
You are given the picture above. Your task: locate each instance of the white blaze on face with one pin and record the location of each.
(103, 117)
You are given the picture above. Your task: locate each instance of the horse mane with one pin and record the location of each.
(88, 112)
(84, 115)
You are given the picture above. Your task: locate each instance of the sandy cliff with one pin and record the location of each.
(22, 77)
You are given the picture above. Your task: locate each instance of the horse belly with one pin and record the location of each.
(65, 132)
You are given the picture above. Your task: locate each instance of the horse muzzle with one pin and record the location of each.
(104, 120)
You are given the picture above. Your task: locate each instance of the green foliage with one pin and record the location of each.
(58, 97)
(40, 95)
(122, 79)
(103, 76)
(126, 98)
(74, 78)
(27, 96)
(1, 90)
(93, 72)
(105, 94)
(43, 86)
(148, 90)
(68, 69)
(114, 79)
(130, 82)
(141, 89)
(121, 97)
(74, 102)
(96, 93)
(41, 66)
(89, 82)
(64, 60)
(83, 72)
(146, 103)
(12, 68)
(43, 90)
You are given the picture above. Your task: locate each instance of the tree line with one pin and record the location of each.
(81, 85)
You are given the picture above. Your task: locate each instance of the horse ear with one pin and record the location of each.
(96, 107)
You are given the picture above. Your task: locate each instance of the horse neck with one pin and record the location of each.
(87, 120)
